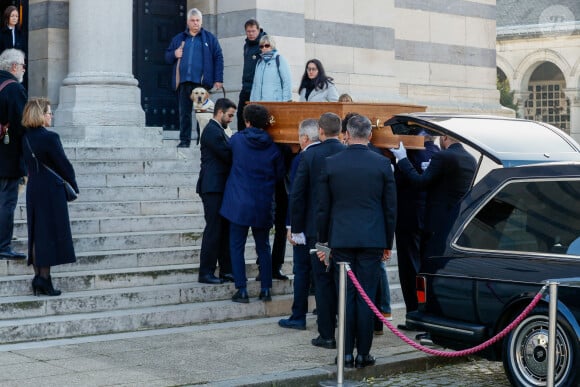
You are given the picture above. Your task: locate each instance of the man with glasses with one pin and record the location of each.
(251, 55)
(13, 97)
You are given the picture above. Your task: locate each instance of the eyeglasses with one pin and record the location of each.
(311, 69)
(21, 64)
(265, 45)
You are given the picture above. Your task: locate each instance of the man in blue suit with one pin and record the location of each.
(216, 160)
(303, 201)
(357, 209)
(446, 180)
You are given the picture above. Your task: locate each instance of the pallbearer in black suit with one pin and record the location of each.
(216, 160)
(446, 180)
(357, 206)
(303, 200)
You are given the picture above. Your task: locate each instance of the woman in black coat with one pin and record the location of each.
(11, 35)
(49, 234)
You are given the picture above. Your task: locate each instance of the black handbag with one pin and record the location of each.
(69, 191)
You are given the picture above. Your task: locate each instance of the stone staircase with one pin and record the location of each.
(137, 229)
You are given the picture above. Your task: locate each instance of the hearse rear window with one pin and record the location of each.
(529, 216)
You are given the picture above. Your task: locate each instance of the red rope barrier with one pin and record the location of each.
(431, 351)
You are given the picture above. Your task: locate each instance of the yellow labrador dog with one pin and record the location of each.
(203, 107)
(201, 101)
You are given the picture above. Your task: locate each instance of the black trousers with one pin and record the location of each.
(280, 232)
(185, 110)
(215, 244)
(244, 97)
(409, 261)
(325, 293)
(365, 264)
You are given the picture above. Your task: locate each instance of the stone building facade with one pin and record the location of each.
(83, 55)
(538, 52)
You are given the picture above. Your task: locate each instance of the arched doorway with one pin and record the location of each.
(546, 100)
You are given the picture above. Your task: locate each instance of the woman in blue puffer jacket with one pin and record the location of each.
(272, 80)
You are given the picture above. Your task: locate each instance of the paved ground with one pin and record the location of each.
(255, 352)
(474, 373)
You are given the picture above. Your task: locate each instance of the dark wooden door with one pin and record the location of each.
(155, 22)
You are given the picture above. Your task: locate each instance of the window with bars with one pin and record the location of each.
(547, 103)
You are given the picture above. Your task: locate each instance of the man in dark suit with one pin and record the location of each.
(303, 201)
(302, 267)
(447, 179)
(357, 209)
(12, 100)
(216, 160)
(410, 220)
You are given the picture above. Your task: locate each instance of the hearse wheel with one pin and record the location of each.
(525, 352)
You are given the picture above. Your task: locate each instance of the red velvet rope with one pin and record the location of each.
(431, 351)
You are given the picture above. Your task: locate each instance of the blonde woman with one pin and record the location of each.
(49, 234)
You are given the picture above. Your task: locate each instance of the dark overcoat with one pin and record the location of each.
(12, 100)
(49, 233)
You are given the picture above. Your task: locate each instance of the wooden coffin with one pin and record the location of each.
(286, 116)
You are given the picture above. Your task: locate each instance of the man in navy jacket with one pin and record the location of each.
(356, 217)
(197, 61)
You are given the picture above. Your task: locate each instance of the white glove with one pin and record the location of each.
(299, 239)
(400, 153)
(425, 165)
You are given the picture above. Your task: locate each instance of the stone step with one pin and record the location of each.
(126, 259)
(115, 194)
(108, 299)
(83, 167)
(82, 280)
(18, 284)
(145, 153)
(158, 179)
(80, 209)
(125, 224)
(121, 241)
(124, 320)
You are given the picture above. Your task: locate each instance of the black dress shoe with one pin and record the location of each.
(277, 274)
(265, 295)
(348, 361)
(9, 254)
(324, 343)
(183, 145)
(209, 279)
(241, 296)
(227, 277)
(364, 360)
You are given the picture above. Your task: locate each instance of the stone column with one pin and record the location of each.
(100, 102)
(574, 96)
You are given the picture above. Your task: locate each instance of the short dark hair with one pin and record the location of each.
(223, 105)
(257, 115)
(251, 22)
(345, 121)
(330, 124)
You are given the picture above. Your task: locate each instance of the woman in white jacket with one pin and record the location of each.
(315, 85)
(272, 79)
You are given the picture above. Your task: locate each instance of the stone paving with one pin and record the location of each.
(474, 373)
